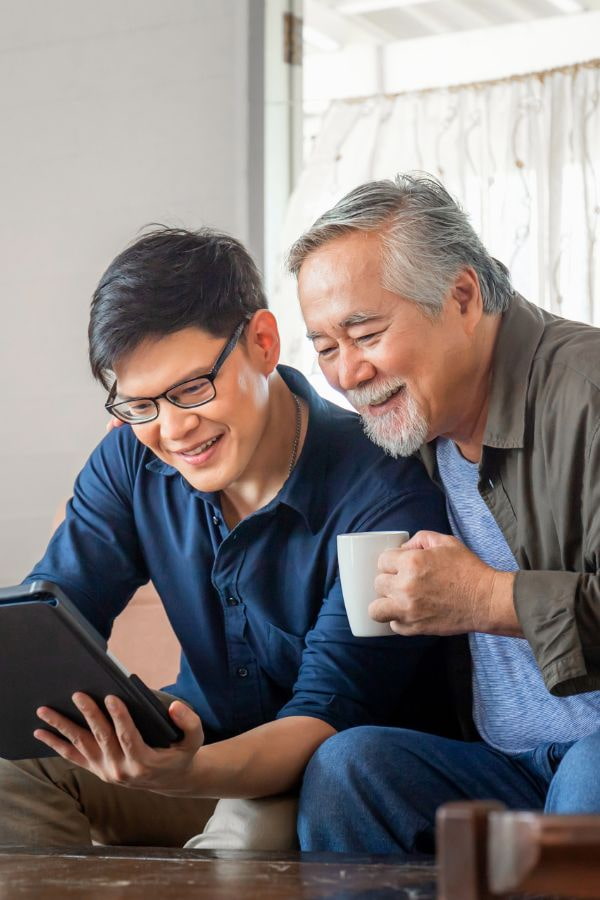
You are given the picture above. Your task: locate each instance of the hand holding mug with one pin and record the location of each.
(434, 585)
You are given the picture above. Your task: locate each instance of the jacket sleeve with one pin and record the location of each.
(559, 612)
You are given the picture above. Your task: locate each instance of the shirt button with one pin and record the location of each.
(216, 520)
(242, 671)
(232, 601)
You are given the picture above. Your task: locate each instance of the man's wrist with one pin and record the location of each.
(182, 782)
(501, 615)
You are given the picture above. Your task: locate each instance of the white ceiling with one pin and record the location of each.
(332, 24)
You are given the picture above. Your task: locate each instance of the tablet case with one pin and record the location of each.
(48, 651)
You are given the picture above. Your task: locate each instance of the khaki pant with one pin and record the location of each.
(52, 803)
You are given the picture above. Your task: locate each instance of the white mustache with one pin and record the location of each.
(374, 393)
(402, 429)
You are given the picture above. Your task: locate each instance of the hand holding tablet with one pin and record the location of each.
(48, 653)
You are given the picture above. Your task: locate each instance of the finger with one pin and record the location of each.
(395, 559)
(426, 540)
(403, 628)
(79, 738)
(113, 422)
(390, 560)
(63, 748)
(392, 563)
(100, 727)
(384, 609)
(388, 584)
(406, 559)
(127, 735)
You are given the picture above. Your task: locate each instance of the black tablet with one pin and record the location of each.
(48, 651)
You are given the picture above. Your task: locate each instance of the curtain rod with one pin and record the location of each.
(541, 76)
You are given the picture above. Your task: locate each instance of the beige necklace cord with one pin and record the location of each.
(296, 442)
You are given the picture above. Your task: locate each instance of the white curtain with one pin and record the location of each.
(521, 155)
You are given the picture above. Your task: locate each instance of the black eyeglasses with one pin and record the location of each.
(186, 395)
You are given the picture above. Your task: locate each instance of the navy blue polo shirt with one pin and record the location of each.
(257, 609)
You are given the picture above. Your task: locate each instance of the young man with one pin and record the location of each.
(420, 328)
(226, 488)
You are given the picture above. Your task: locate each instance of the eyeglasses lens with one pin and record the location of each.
(191, 393)
(186, 396)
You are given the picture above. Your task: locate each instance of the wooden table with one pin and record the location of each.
(130, 873)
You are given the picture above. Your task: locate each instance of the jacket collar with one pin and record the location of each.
(518, 338)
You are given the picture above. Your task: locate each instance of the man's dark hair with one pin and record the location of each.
(168, 280)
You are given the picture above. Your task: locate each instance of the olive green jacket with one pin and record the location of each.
(540, 479)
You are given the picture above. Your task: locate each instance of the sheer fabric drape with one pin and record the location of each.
(521, 155)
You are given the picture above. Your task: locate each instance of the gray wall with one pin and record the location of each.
(113, 114)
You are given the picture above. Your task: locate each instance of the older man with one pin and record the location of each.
(419, 327)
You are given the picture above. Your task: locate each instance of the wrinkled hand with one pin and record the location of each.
(434, 585)
(114, 750)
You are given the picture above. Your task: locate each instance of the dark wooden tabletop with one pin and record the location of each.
(130, 873)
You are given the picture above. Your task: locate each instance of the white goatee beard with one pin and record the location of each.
(402, 430)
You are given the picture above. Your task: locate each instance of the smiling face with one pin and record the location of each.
(213, 445)
(403, 371)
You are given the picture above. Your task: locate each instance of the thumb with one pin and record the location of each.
(189, 722)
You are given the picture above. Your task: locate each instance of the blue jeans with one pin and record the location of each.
(376, 790)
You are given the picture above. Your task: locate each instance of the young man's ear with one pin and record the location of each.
(262, 340)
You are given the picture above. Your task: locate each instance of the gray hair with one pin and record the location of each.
(426, 240)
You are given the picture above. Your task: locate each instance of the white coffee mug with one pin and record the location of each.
(358, 554)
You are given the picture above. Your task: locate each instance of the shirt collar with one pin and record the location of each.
(303, 490)
(159, 467)
(519, 335)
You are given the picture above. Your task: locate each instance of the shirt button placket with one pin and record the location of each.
(241, 671)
